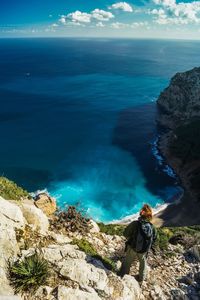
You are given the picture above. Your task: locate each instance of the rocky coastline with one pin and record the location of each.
(178, 119)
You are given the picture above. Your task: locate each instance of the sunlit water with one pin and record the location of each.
(78, 118)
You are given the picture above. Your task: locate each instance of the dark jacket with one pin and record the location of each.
(131, 232)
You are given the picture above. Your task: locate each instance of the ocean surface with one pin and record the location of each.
(77, 117)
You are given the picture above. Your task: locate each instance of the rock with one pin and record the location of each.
(11, 219)
(195, 251)
(60, 238)
(55, 253)
(178, 294)
(44, 292)
(84, 274)
(46, 203)
(94, 228)
(131, 288)
(180, 101)
(65, 293)
(5, 288)
(157, 293)
(35, 217)
(12, 212)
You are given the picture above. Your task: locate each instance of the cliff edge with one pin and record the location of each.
(179, 115)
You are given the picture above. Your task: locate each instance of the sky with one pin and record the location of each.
(100, 18)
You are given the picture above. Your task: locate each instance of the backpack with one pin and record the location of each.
(144, 237)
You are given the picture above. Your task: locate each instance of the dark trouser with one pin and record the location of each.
(130, 257)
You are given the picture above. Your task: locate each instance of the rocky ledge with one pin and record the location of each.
(67, 256)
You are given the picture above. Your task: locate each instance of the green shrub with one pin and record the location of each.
(29, 274)
(112, 229)
(11, 191)
(88, 248)
(163, 236)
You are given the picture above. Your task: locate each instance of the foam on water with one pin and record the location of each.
(109, 190)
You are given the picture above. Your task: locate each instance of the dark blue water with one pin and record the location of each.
(78, 117)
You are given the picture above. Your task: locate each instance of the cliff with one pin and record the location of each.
(180, 101)
(66, 256)
(179, 115)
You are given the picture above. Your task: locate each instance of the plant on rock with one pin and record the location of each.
(29, 274)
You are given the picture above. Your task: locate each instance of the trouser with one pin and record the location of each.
(132, 256)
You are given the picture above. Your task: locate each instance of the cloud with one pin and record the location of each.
(100, 24)
(79, 17)
(101, 15)
(119, 25)
(122, 6)
(83, 18)
(176, 13)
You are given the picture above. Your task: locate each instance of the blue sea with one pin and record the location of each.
(77, 117)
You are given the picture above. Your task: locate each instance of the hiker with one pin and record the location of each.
(141, 235)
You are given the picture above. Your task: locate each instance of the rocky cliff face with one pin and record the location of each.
(180, 101)
(179, 113)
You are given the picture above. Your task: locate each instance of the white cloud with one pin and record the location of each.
(122, 6)
(100, 24)
(177, 13)
(62, 19)
(79, 17)
(101, 15)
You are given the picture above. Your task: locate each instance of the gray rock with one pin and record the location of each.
(56, 253)
(131, 288)
(84, 274)
(180, 101)
(65, 293)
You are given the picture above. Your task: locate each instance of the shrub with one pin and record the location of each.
(112, 229)
(11, 191)
(88, 248)
(29, 274)
(71, 220)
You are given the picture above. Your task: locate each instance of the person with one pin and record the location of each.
(141, 236)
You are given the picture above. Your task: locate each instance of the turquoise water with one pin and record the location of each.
(78, 118)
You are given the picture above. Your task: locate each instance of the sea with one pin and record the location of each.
(78, 119)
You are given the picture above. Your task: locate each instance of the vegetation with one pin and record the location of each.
(71, 220)
(112, 229)
(186, 144)
(29, 274)
(88, 248)
(187, 236)
(11, 191)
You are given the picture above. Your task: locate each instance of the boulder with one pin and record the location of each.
(5, 288)
(12, 212)
(94, 228)
(35, 217)
(46, 203)
(56, 253)
(65, 293)
(11, 219)
(60, 238)
(131, 288)
(84, 274)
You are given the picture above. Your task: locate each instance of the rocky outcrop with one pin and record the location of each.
(180, 101)
(46, 203)
(179, 113)
(35, 217)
